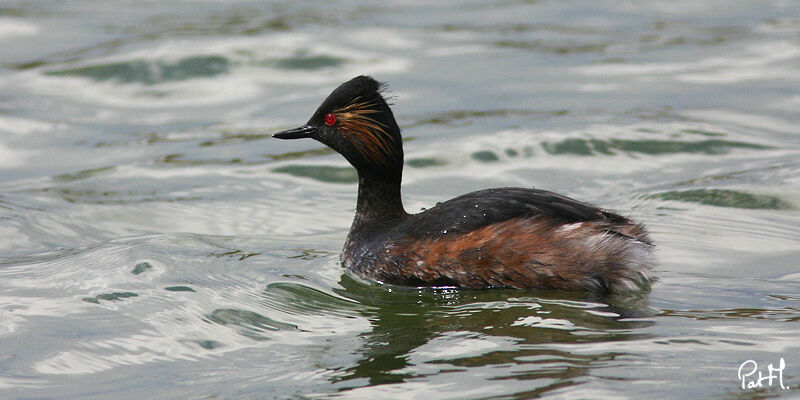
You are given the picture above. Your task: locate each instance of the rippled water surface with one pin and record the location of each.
(155, 242)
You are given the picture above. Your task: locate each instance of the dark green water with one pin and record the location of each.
(155, 242)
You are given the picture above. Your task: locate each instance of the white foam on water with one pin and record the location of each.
(10, 28)
(457, 50)
(19, 309)
(791, 103)
(23, 126)
(13, 157)
(382, 38)
(552, 323)
(460, 344)
(598, 87)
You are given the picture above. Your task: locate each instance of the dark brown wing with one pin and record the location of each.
(486, 207)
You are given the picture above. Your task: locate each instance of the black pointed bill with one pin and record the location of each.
(300, 132)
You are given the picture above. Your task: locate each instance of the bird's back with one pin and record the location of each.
(507, 237)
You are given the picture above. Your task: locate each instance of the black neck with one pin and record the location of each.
(378, 199)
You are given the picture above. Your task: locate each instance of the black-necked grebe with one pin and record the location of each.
(495, 238)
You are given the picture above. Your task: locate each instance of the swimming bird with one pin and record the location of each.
(495, 238)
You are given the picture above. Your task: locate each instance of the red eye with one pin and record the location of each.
(330, 119)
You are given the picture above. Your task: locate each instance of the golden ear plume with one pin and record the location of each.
(365, 133)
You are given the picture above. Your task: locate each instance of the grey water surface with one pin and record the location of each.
(156, 243)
